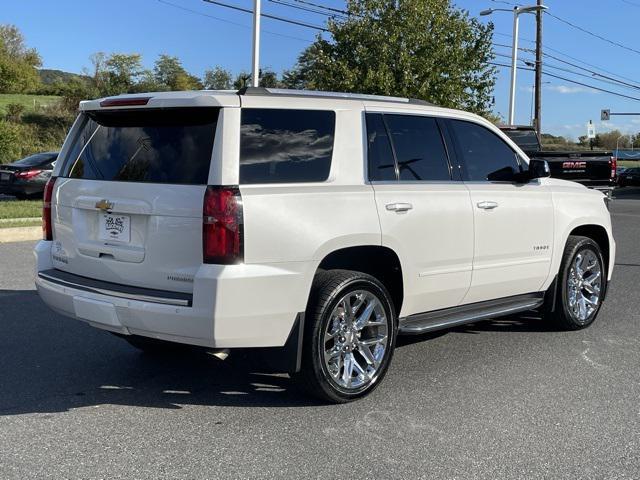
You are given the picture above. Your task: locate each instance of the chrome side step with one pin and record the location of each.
(451, 317)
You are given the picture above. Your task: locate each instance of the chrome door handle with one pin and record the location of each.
(399, 207)
(487, 205)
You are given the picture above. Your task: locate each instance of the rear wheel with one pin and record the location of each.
(350, 331)
(582, 284)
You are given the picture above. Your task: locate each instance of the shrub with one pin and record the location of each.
(14, 111)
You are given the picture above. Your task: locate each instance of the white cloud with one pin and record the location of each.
(566, 89)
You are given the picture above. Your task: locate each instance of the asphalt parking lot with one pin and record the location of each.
(509, 398)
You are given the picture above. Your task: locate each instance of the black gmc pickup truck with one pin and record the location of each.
(591, 168)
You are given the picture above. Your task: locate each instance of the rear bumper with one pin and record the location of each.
(232, 306)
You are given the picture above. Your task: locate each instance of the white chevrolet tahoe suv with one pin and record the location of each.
(318, 225)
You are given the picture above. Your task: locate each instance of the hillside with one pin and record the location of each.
(50, 76)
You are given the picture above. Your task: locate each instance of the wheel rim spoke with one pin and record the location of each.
(584, 283)
(356, 340)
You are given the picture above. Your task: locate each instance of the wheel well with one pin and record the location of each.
(599, 235)
(379, 262)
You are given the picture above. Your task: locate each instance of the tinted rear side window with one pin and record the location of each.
(483, 152)
(286, 146)
(155, 146)
(381, 163)
(419, 148)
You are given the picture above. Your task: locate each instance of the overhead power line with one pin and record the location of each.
(593, 74)
(553, 75)
(559, 52)
(308, 9)
(595, 35)
(268, 15)
(324, 7)
(202, 14)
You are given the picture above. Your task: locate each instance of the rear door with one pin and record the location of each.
(425, 211)
(513, 221)
(128, 203)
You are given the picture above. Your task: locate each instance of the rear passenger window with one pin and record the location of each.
(419, 149)
(382, 167)
(486, 156)
(286, 146)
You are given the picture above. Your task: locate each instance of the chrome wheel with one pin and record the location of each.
(584, 284)
(356, 340)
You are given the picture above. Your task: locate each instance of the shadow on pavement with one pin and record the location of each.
(627, 193)
(50, 363)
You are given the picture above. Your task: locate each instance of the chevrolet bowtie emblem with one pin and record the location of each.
(104, 205)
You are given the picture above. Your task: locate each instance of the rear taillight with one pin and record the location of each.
(27, 174)
(614, 166)
(222, 229)
(47, 230)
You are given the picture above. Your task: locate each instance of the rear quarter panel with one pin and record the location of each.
(304, 222)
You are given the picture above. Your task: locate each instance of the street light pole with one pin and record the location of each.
(255, 74)
(514, 66)
(514, 52)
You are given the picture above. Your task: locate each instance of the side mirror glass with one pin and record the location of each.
(538, 168)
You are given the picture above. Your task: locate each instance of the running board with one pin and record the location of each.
(474, 312)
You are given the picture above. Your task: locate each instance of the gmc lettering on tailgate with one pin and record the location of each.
(573, 165)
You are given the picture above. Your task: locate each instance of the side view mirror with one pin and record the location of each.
(538, 168)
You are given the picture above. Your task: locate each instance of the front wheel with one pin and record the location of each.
(350, 331)
(583, 281)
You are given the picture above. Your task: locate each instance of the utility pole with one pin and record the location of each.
(538, 86)
(255, 74)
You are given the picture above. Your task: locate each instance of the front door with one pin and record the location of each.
(513, 221)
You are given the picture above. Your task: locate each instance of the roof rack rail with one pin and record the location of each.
(264, 91)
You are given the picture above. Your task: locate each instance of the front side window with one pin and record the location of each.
(486, 156)
(420, 151)
(285, 146)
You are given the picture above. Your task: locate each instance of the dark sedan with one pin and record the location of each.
(26, 178)
(630, 177)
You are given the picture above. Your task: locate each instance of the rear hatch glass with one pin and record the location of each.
(156, 146)
(128, 206)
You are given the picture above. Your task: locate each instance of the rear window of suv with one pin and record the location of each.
(285, 146)
(155, 146)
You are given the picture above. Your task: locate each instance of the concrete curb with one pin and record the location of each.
(20, 234)
(19, 220)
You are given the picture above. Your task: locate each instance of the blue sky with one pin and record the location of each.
(67, 32)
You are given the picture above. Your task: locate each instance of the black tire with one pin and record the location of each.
(328, 289)
(560, 311)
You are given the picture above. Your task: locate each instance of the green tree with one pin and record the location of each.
(122, 71)
(242, 80)
(269, 79)
(9, 141)
(217, 79)
(18, 64)
(425, 49)
(169, 71)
